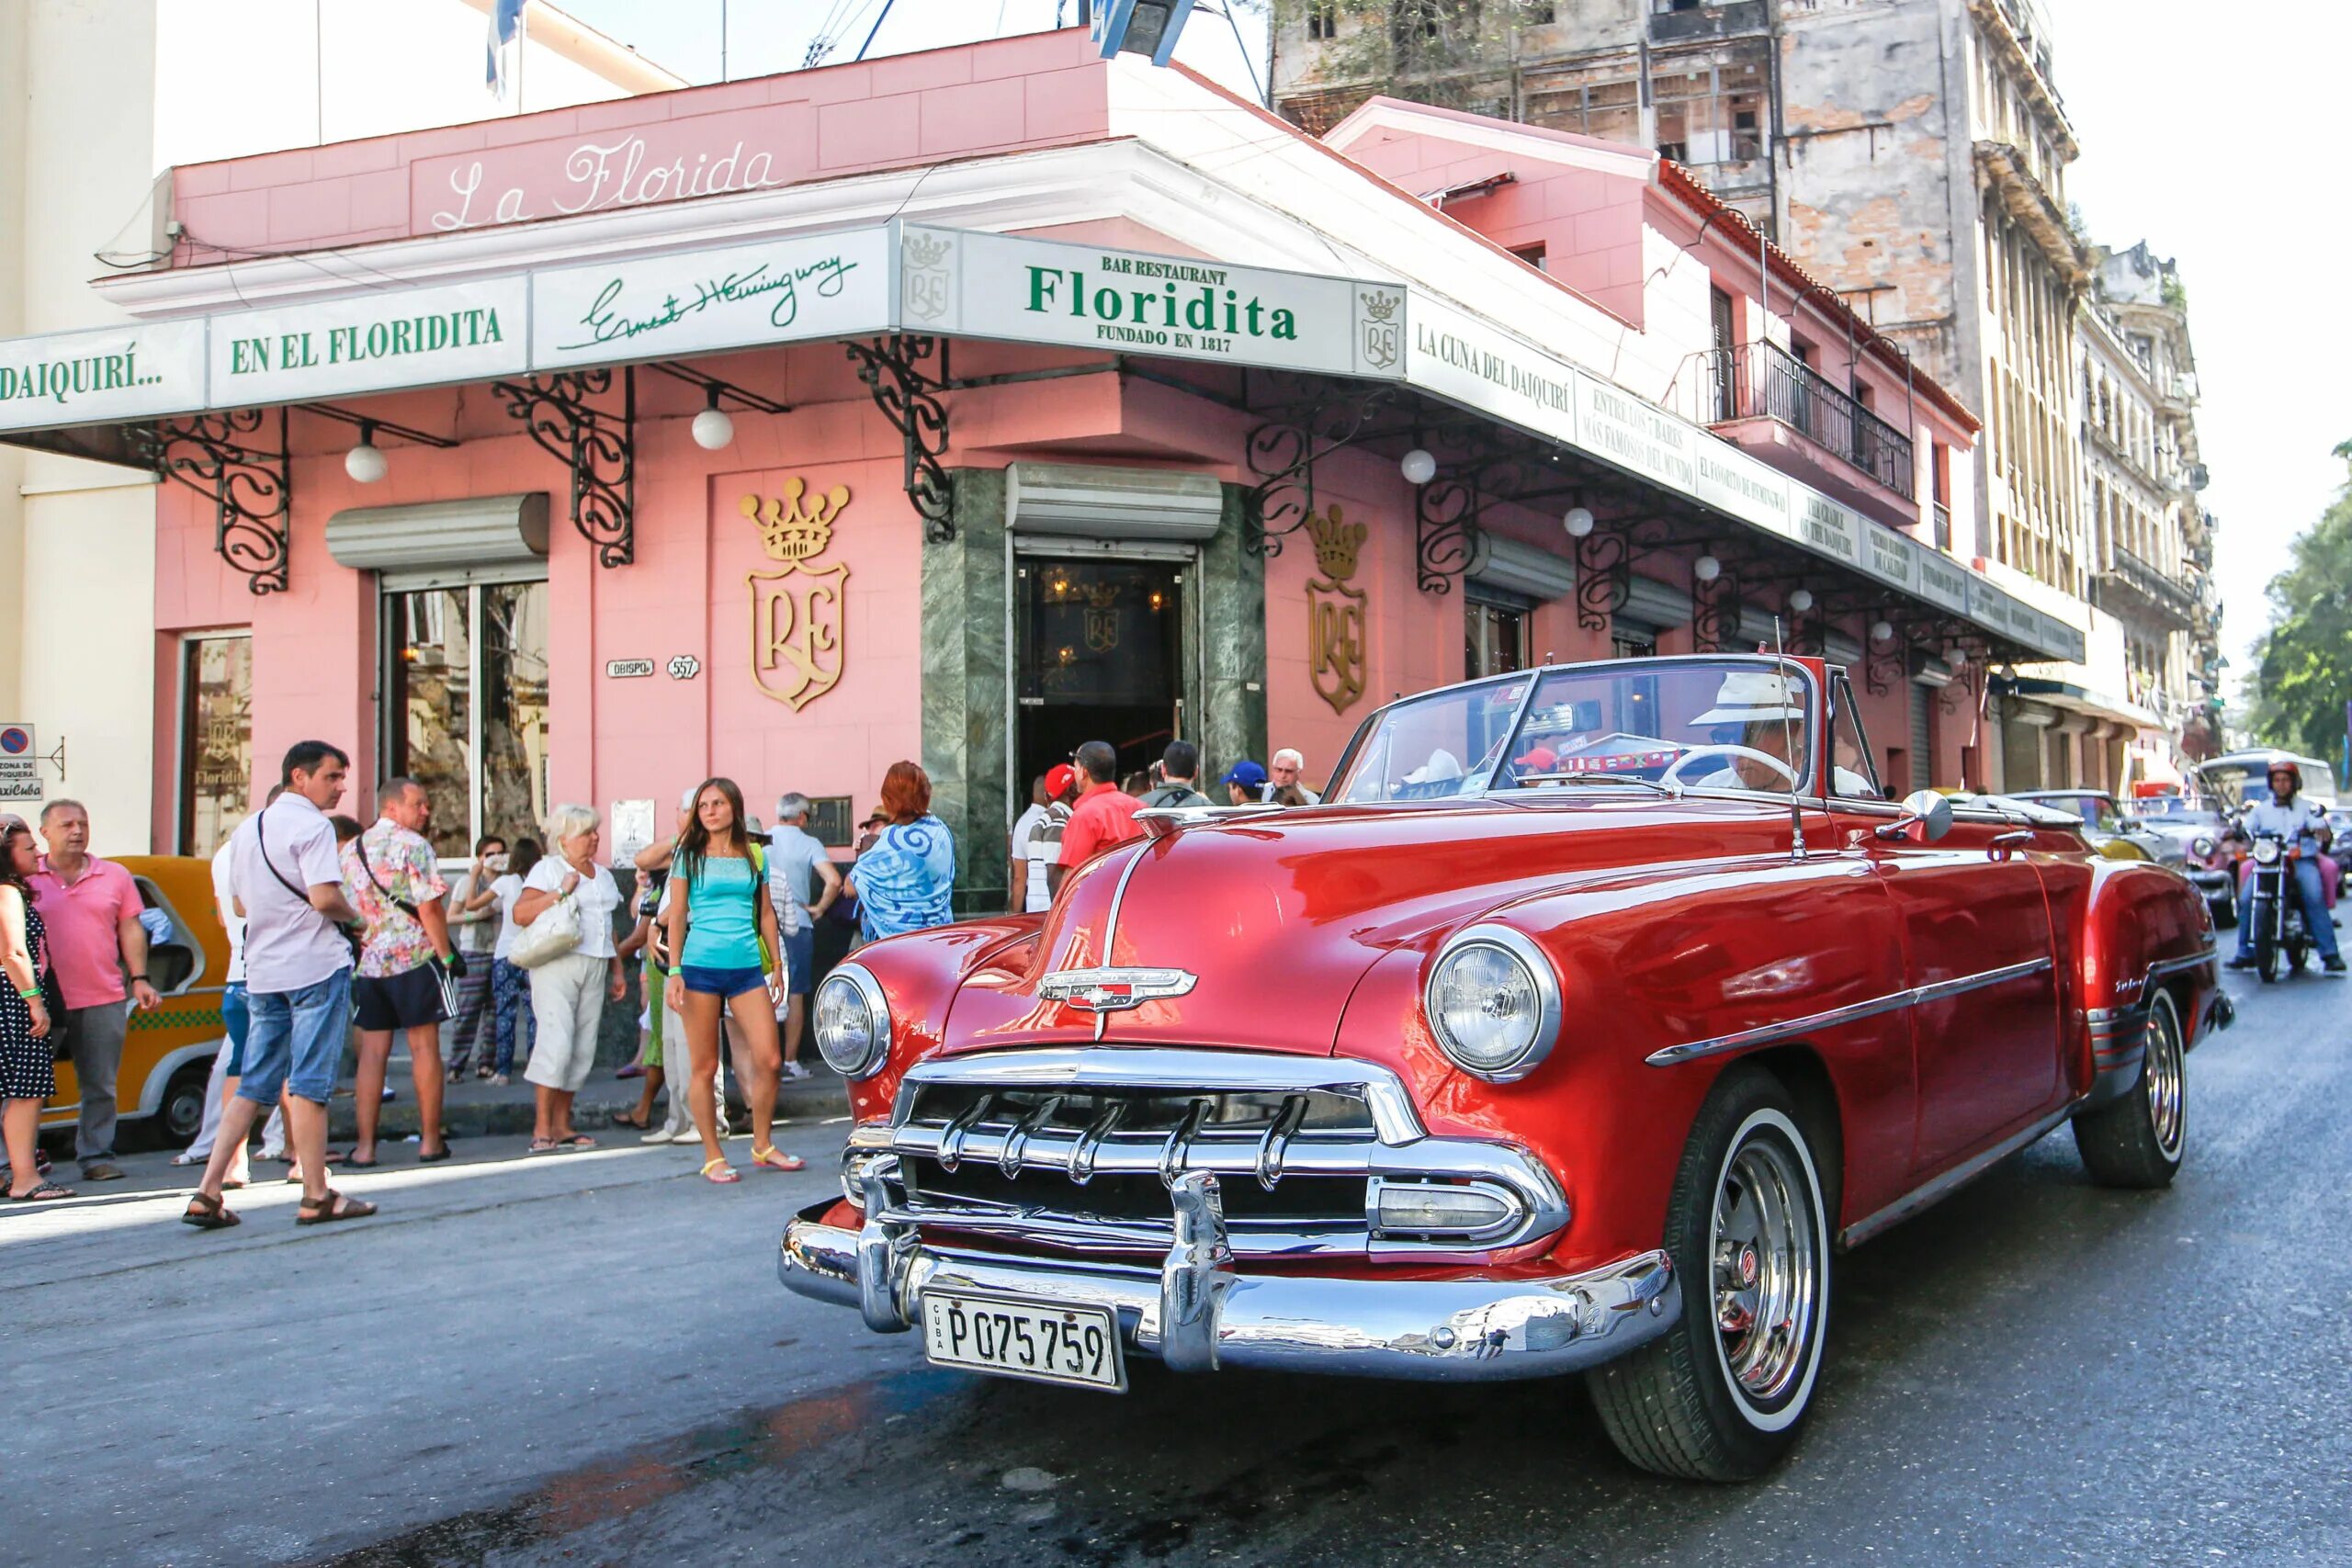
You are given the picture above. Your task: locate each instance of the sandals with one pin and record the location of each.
(207, 1213)
(774, 1158)
(627, 1119)
(48, 1191)
(720, 1171)
(577, 1141)
(333, 1206)
(543, 1147)
(433, 1159)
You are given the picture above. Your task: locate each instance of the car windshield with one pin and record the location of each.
(2175, 811)
(2092, 808)
(1698, 723)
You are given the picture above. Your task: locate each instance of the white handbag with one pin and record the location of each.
(548, 938)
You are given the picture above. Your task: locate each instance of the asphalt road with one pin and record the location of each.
(585, 1359)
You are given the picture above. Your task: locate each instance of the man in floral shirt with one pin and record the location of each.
(407, 966)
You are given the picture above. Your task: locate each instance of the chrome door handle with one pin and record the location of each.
(2005, 844)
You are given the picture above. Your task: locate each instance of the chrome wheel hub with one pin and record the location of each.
(2166, 1081)
(1764, 1245)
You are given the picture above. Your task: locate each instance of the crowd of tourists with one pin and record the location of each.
(344, 934)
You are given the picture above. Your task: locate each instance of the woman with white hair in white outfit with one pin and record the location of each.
(569, 992)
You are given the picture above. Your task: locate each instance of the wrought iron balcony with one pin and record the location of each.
(1763, 380)
(2132, 586)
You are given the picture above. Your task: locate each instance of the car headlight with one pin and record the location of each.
(1494, 1003)
(2265, 852)
(2201, 847)
(853, 1022)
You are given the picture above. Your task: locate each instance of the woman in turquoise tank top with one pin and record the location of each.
(722, 927)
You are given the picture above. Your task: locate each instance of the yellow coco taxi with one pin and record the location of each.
(166, 1053)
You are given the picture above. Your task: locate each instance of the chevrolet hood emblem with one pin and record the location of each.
(1114, 990)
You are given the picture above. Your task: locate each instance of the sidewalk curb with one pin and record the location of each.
(798, 1098)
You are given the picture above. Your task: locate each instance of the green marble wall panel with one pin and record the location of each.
(1231, 703)
(963, 657)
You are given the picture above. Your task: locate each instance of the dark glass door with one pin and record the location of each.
(1100, 658)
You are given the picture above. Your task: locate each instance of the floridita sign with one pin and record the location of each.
(912, 278)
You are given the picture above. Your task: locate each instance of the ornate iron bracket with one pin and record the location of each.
(251, 487)
(908, 395)
(1445, 527)
(1282, 453)
(1714, 614)
(1885, 665)
(1968, 678)
(599, 447)
(1605, 578)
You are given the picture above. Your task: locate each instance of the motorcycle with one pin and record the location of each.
(2278, 912)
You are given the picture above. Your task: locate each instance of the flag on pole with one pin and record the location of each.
(505, 35)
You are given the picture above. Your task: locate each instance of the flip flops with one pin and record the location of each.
(626, 1119)
(48, 1191)
(333, 1206)
(207, 1213)
(577, 1141)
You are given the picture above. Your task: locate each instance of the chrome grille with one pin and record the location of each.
(1077, 1149)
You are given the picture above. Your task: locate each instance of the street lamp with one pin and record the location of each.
(1801, 599)
(365, 463)
(1141, 27)
(1417, 467)
(1578, 522)
(713, 431)
(1881, 631)
(1707, 569)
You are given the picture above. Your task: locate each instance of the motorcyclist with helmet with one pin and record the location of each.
(2302, 828)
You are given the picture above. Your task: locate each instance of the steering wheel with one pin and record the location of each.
(1673, 775)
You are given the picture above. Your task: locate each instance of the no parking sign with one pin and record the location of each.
(19, 769)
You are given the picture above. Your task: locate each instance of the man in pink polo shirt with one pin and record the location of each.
(91, 907)
(1103, 814)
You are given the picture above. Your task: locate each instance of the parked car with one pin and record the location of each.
(2106, 824)
(1595, 1010)
(166, 1053)
(2202, 833)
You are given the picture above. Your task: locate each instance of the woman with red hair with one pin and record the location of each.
(905, 880)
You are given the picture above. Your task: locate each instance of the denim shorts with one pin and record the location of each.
(296, 1041)
(236, 1018)
(800, 961)
(721, 982)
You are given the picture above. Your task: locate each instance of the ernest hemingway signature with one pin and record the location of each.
(607, 321)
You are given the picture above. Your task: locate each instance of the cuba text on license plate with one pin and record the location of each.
(1076, 1345)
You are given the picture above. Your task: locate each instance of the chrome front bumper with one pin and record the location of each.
(1197, 1312)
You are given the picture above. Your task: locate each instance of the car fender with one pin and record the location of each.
(2133, 929)
(1654, 959)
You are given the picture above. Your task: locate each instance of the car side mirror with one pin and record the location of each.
(1927, 817)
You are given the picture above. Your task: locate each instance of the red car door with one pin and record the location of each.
(1976, 927)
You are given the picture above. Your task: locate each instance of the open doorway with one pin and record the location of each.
(1100, 650)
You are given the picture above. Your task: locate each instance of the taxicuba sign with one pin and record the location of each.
(376, 342)
(998, 285)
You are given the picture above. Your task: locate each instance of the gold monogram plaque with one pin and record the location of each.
(800, 626)
(1335, 611)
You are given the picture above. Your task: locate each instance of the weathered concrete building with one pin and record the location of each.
(2152, 540)
(1911, 155)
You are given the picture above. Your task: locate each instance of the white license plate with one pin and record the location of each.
(1016, 1338)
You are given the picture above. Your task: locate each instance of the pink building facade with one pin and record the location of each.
(1063, 399)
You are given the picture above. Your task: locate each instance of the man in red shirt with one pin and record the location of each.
(1104, 814)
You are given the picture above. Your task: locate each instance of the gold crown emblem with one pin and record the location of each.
(791, 528)
(1336, 543)
(1380, 307)
(926, 250)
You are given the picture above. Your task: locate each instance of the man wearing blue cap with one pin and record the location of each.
(1245, 782)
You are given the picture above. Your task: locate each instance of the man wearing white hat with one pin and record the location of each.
(1761, 713)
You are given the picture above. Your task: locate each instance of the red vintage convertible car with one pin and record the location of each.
(1593, 1013)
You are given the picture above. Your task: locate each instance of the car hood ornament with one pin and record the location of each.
(1114, 990)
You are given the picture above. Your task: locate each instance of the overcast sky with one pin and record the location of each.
(2194, 138)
